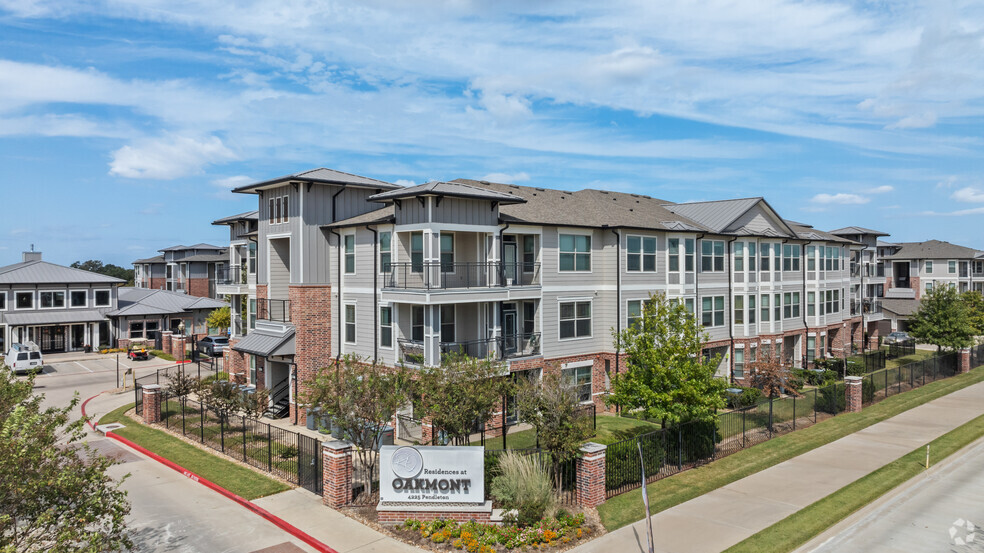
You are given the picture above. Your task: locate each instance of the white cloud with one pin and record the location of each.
(917, 121)
(405, 182)
(969, 194)
(883, 189)
(840, 198)
(169, 157)
(958, 213)
(509, 178)
(228, 183)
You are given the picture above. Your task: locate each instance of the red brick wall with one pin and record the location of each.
(158, 283)
(310, 312)
(261, 292)
(914, 284)
(554, 365)
(590, 479)
(236, 363)
(853, 391)
(197, 287)
(397, 517)
(336, 474)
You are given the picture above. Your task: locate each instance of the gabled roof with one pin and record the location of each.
(900, 306)
(264, 343)
(932, 249)
(144, 301)
(42, 272)
(720, 216)
(248, 216)
(155, 259)
(810, 233)
(846, 231)
(376, 217)
(320, 175)
(450, 189)
(206, 257)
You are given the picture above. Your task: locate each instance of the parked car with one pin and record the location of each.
(24, 358)
(213, 345)
(897, 338)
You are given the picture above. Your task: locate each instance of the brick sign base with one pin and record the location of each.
(390, 513)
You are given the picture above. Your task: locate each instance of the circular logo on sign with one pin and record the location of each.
(407, 462)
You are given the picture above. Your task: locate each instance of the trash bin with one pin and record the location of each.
(312, 415)
(385, 437)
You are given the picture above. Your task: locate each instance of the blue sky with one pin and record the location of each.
(124, 124)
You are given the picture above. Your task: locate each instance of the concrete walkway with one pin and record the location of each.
(719, 519)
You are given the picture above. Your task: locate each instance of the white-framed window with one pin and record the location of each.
(790, 257)
(712, 311)
(102, 298)
(580, 378)
(386, 327)
(777, 308)
(688, 304)
(811, 348)
(764, 305)
(811, 304)
(284, 208)
(417, 252)
(711, 256)
(739, 363)
(529, 253)
(447, 253)
(349, 245)
(678, 248)
(3, 303)
(739, 308)
(447, 323)
(575, 252)
(751, 309)
(273, 214)
(417, 323)
(739, 257)
(575, 319)
(951, 267)
(78, 298)
(51, 299)
(278, 220)
(751, 256)
(929, 267)
(385, 251)
(766, 254)
(811, 261)
(252, 313)
(929, 285)
(251, 249)
(252, 369)
(634, 311)
(791, 305)
(349, 323)
(136, 330)
(640, 254)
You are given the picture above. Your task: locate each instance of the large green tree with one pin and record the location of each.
(220, 319)
(55, 495)
(943, 320)
(974, 302)
(666, 378)
(97, 266)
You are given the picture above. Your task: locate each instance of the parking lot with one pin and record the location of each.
(98, 364)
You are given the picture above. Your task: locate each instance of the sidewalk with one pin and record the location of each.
(715, 521)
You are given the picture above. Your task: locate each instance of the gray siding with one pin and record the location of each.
(466, 212)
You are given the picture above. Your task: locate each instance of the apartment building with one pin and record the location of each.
(58, 308)
(237, 280)
(534, 277)
(192, 270)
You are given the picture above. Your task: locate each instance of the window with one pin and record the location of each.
(529, 253)
(252, 369)
(350, 323)
(51, 300)
(385, 251)
(447, 253)
(791, 305)
(3, 307)
(252, 257)
(777, 308)
(447, 323)
(641, 254)
(272, 213)
(811, 262)
(739, 309)
(751, 256)
(929, 267)
(811, 348)
(739, 363)
(765, 305)
(791, 257)
(136, 329)
(776, 257)
(673, 249)
(252, 313)
(951, 267)
(285, 209)
(78, 298)
(24, 300)
(417, 252)
(575, 252)
(151, 327)
(277, 220)
(349, 254)
(751, 309)
(417, 323)
(688, 304)
(712, 311)
(386, 327)
(929, 286)
(739, 256)
(711, 256)
(835, 256)
(580, 377)
(765, 258)
(102, 298)
(635, 311)
(575, 319)
(811, 300)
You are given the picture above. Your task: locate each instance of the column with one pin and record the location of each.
(965, 360)
(337, 474)
(590, 480)
(853, 393)
(151, 403)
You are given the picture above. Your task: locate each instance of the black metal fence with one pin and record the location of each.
(887, 382)
(496, 435)
(207, 367)
(289, 455)
(902, 348)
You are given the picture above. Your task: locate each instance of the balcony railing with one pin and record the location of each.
(867, 307)
(441, 276)
(233, 275)
(499, 348)
(273, 310)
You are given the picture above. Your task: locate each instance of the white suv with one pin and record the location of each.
(24, 358)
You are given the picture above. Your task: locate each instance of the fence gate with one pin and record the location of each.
(309, 463)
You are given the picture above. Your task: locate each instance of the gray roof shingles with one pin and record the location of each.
(932, 249)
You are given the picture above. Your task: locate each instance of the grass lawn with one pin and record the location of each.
(239, 480)
(610, 429)
(800, 527)
(918, 356)
(663, 494)
(161, 355)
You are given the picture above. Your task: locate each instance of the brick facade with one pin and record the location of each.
(590, 479)
(166, 337)
(310, 308)
(853, 391)
(197, 287)
(397, 517)
(236, 363)
(336, 474)
(599, 388)
(157, 283)
(965, 360)
(151, 403)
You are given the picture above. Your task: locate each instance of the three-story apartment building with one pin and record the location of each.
(238, 280)
(534, 277)
(193, 270)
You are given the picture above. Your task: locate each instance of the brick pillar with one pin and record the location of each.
(151, 403)
(178, 347)
(590, 479)
(965, 360)
(853, 393)
(426, 431)
(873, 339)
(337, 474)
(166, 341)
(310, 312)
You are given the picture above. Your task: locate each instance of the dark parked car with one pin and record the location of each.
(897, 338)
(213, 345)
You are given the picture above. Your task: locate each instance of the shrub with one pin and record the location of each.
(832, 399)
(867, 390)
(524, 484)
(213, 377)
(747, 398)
(854, 368)
(816, 378)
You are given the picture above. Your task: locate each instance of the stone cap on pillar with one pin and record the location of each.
(152, 388)
(337, 445)
(593, 449)
(852, 379)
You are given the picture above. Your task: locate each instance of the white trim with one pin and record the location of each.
(576, 232)
(439, 227)
(83, 290)
(355, 325)
(355, 257)
(278, 235)
(577, 364)
(591, 318)
(96, 303)
(4, 306)
(641, 254)
(392, 327)
(34, 300)
(53, 291)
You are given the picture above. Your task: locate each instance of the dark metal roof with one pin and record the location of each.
(248, 216)
(450, 189)
(858, 230)
(155, 259)
(202, 246)
(319, 175)
(54, 317)
(265, 343)
(144, 301)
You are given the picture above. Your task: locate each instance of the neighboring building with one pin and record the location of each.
(537, 278)
(238, 282)
(59, 308)
(867, 281)
(191, 270)
(143, 313)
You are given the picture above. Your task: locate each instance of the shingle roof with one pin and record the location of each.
(932, 249)
(248, 216)
(144, 301)
(452, 189)
(42, 272)
(719, 216)
(900, 306)
(320, 175)
(378, 216)
(858, 230)
(205, 257)
(155, 259)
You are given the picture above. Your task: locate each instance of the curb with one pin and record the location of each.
(256, 509)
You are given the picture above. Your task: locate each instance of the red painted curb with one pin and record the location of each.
(84, 403)
(277, 521)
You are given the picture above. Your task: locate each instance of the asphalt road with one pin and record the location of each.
(169, 513)
(942, 511)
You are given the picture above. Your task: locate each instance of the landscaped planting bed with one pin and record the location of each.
(559, 532)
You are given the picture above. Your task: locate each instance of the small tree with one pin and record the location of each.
(667, 379)
(552, 408)
(360, 399)
(461, 393)
(221, 396)
(943, 320)
(974, 302)
(254, 403)
(55, 494)
(220, 318)
(768, 374)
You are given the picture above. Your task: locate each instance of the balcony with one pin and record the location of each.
(273, 310)
(462, 275)
(231, 280)
(498, 349)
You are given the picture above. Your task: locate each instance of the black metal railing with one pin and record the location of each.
(902, 348)
(498, 348)
(436, 275)
(273, 310)
(234, 274)
(564, 472)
